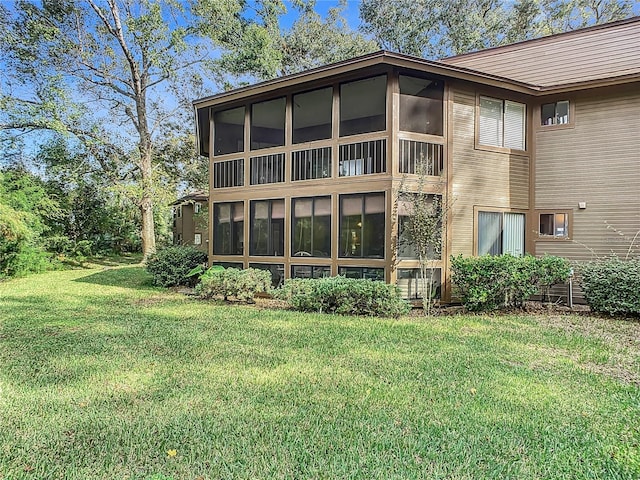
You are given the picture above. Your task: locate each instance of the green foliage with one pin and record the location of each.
(243, 285)
(438, 28)
(495, 281)
(346, 296)
(612, 286)
(170, 266)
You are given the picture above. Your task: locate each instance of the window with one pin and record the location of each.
(554, 113)
(228, 228)
(311, 228)
(311, 164)
(310, 271)
(362, 272)
(420, 158)
(197, 239)
(237, 265)
(267, 227)
(421, 105)
(362, 224)
(406, 245)
(363, 158)
(500, 233)
(204, 130)
(197, 207)
(267, 169)
(228, 128)
(276, 269)
(502, 123)
(267, 124)
(363, 106)
(179, 211)
(554, 225)
(412, 287)
(229, 173)
(179, 239)
(312, 115)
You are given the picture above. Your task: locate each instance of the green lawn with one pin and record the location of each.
(104, 377)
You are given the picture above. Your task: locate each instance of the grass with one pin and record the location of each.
(103, 376)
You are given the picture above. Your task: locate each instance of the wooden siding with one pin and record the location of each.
(480, 178)
(597, 162)
(591, 54)
(187, 225)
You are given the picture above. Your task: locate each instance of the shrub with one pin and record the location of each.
(345, 296)
(490, 282)
(612, 286)
(170, 266)
(243, 285)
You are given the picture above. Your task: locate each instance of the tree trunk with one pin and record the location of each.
(147, 232)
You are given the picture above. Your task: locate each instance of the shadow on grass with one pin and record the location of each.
(127, 277)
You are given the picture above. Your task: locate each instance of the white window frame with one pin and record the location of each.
(502, 123)
(197, 208)
(197, 239)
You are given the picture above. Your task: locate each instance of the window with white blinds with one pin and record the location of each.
(502, 123)
(501, 233)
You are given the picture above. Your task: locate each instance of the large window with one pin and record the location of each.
(229, 173)
(420, 158)
(311, 231)
(554, 225)
(311, 164)
(310, 271)
(228, 128)
(267, 124)
(421, 105)
(362, 224)
(312, 115)
(363, 158)
(369, 273)
(554, 113)
(267, 227)
(500, 233)
(502, 123)
(363, 106)
(430, 205)
(228, 228)
(267, 169)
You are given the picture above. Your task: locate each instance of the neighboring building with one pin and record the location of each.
(190, 221)
(536, 147)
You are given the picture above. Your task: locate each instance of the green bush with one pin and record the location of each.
(243, 285)
(491, 282)
(612, 286)
(347, 296)
(170, 266)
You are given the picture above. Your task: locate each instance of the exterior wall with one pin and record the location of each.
(188, 224)
(596, 159)
(480, 177)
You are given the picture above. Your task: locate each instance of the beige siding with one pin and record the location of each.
(480, 178)
(585, 55)
(597, 162)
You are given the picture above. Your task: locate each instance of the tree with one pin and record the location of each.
(108, 73)
(421, 230)
(439, 28)
(255, 43)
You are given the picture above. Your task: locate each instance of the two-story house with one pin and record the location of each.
(190, 220)
(534, 146)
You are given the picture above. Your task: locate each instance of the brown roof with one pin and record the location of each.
(197, 196)
(590, 55)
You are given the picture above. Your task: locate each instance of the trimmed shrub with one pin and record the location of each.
(243, 285)
(346, 296)
(612, 286)
(170, 266)
(491, 282)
